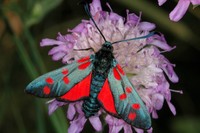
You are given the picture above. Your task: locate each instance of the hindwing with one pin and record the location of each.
(119, 97)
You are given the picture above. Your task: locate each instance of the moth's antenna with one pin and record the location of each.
(89, 14)
(142, 37)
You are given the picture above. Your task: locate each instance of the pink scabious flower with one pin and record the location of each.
(141, 59)
(179, 11)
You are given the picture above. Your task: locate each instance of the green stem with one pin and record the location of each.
(56, 122)
(34, 51)
(40, 117)
(18, 117)
(32, 72)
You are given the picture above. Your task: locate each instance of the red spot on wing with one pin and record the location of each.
(84, 65)
(122, 96)
(83, 59)
(116, 74)
(49, 80)
(120, 69)
(46, 90)
(66, 80)
(65, 71)
(136, 106)
(106, 98)
(128, 89)
(132, 116)
(80, 90)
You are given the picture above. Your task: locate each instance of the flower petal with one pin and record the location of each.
(79, 28)
(57, 49)
(115, 125)
(146, 26)
(68, 59)
(58, 56)
(157, 100)
(113, 121)
(132, 18)
(114, 16)
(71, 111)
(168, 69)
(53, 105)
(138, 130)
(154, 114)
(161, 2)
(96, 123)
(150, 130)
(128, 129)
(159, 41)
(76, 126)
(161, 45)
(115, 129)
(95, 7)
(50, 42)
(172, 108)
(179, 10)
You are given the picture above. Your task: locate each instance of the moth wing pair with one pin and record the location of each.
(127, 102)
(70, 78)
(72, 82)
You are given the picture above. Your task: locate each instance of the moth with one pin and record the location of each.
(99, 81)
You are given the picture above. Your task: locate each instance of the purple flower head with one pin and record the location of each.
(141, 60)
(179, 11)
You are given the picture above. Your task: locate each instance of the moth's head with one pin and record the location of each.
(107, 46)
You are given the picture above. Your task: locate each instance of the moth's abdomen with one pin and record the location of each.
(91, 105)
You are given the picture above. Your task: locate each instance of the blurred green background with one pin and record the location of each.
(23, 23)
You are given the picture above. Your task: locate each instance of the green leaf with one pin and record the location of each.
(39, 10)
(59, 122)
(186, 125)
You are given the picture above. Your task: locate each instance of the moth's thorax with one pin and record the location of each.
(104, 58)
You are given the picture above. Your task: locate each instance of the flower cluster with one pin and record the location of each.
(141, 60)
(180, 9)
